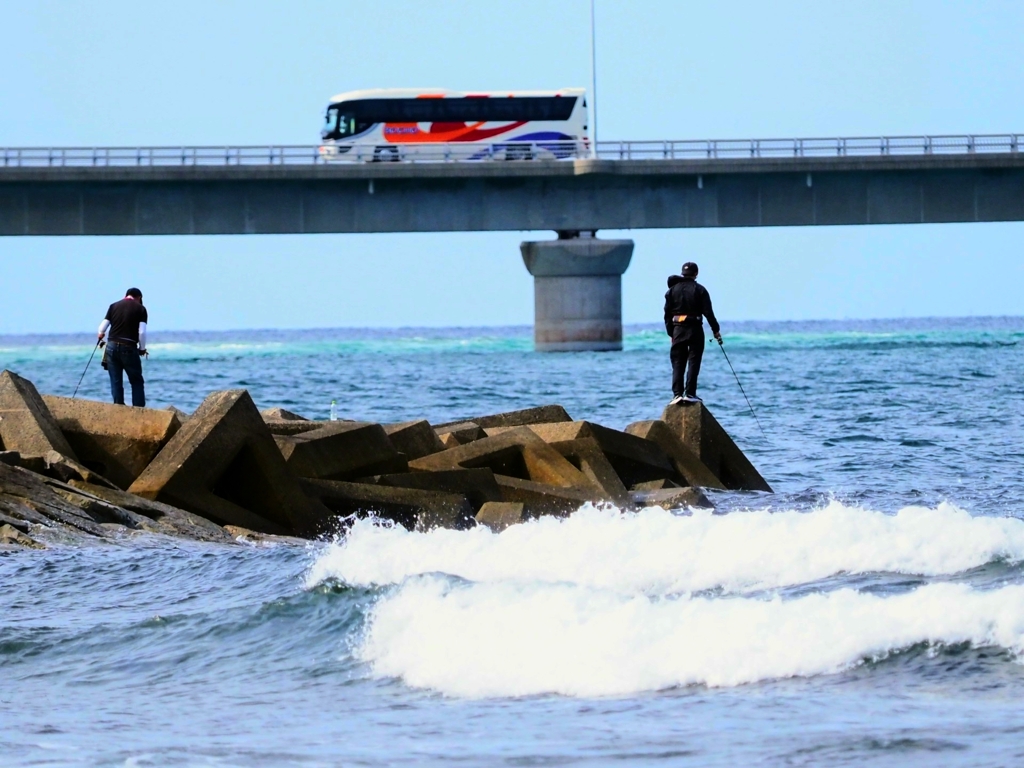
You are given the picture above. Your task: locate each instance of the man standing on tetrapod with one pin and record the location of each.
(126, 344)
(687, 303)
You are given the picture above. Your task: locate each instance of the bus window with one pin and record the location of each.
(455, 110)
(330, 123)
(346, 125)
(339, 125)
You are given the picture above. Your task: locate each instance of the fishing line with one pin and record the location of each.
(722, 347)
(99, 343)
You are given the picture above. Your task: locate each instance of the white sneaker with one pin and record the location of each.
(676, 400)
(691, 399)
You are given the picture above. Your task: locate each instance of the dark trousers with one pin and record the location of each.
(125, 358)
(686, 354)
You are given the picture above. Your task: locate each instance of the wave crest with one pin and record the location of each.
(656, 552)
(485, 640)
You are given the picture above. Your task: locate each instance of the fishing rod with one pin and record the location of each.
(99, 343)
(722, 347)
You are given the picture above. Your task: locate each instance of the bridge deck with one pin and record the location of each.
(50, 196)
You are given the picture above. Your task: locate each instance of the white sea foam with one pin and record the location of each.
(654, 552)
(508, 639)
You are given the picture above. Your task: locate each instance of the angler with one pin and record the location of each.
(126, 344)
(687, 303)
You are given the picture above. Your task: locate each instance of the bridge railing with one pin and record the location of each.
(289, 155)
(543, 151)
(826, 147)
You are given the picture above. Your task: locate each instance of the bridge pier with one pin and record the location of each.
(577, 292)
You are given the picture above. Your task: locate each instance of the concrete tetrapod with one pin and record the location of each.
(635, 460)
(672, 498)
(477, 485)
(295, 426)
(116, 441)
(26, 424)
(516, 452)
(463, 432)
(704, 436)
(223, 464)
(182, 416)
(284, 422)
(541, 414)
(448, 440)
(499, 515)
(281, 414)
(412, 508)
(415, 439)
(542, 499)
(585, 453)
(340, 450)
(686, 461)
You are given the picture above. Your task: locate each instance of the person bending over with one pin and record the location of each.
(126, 344)
(687, 303)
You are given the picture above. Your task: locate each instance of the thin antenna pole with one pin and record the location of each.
(593, 78)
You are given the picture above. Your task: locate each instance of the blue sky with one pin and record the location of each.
(130, 73)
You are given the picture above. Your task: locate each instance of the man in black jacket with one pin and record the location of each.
(687, 303)
(127, 321)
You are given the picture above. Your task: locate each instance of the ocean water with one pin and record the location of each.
(870, 612)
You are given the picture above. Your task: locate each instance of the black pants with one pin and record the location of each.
(125, 358)
(687, 351)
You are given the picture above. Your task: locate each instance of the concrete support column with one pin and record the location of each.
(577, 293)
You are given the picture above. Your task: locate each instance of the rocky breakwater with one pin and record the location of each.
(74, 469)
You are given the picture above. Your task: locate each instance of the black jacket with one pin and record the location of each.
(685, 296)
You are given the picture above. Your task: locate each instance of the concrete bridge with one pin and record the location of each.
(623, 185)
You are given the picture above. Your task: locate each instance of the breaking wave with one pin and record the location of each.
(606, 603)
(656, 552)
(485, 640)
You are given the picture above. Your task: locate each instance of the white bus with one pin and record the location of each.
(436, 125)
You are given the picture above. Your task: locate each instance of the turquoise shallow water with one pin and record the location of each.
(870, 612)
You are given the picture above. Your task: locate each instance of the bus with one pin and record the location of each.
(389, 125)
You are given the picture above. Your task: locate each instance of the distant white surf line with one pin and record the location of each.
(655, 552)
(506, 640)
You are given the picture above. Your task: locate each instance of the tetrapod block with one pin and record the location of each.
(672, 498)
(704, 436)
(223, 464)
(521, 418)
(463, 432)
(586, 455)
(515, 453)
(692, 469)
(635, 460)
(26, 424)
(340, 450)
(116, 441)
(499, 515)
(477, 485)
(541, 499)
(415, 439)
(413, 508)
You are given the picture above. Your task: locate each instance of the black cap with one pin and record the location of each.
(689, 269)
(134, 293)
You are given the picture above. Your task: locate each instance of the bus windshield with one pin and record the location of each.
(338, 124)
(330, 123)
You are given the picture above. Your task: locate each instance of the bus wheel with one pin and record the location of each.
(385, 155)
